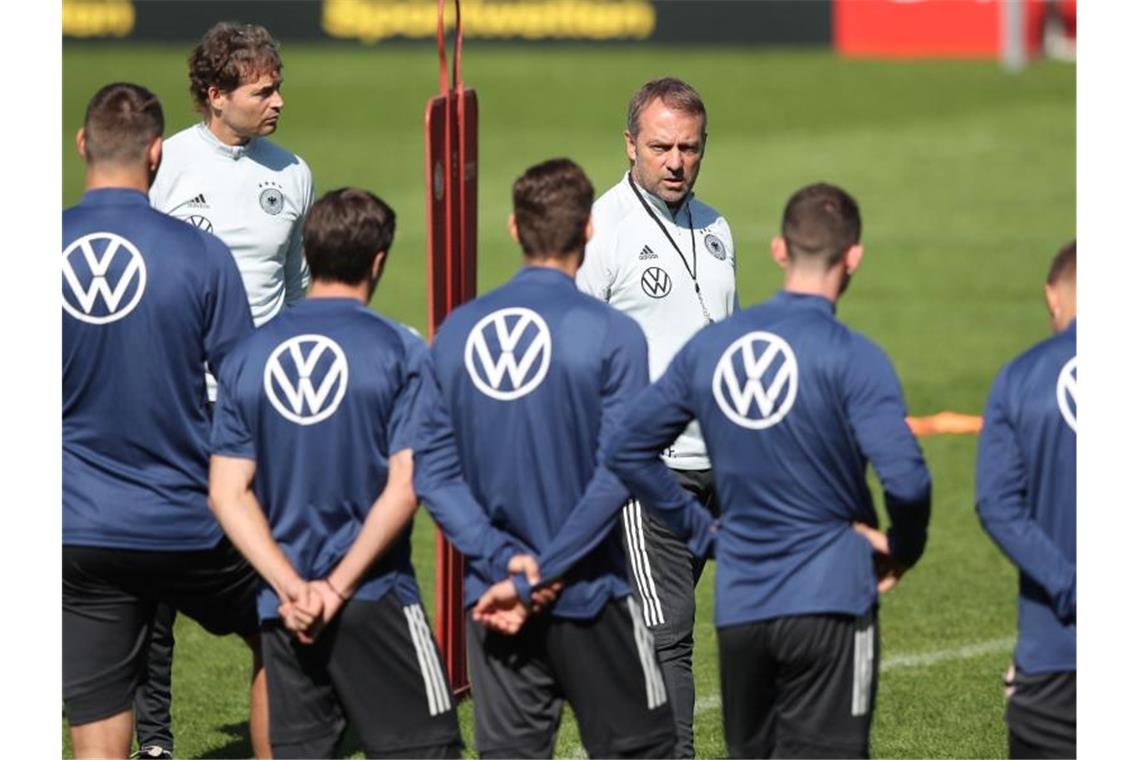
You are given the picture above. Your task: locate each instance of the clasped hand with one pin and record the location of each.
(308, 608)
(500, 608)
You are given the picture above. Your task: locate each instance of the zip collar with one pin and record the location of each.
(233, 152)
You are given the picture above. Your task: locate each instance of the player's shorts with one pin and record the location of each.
(605, 667)
(1041, 713)
(801, 686)
(375, 666)
(109, 601)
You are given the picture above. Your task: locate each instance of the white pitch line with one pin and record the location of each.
(926, 659)
(915, 660)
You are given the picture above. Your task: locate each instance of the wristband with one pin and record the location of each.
(335, 590)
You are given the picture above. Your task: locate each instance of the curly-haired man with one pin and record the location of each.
(223, 176)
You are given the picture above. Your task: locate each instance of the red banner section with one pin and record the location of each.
(937, 28)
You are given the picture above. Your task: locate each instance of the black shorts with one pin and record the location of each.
(800, 686)
(109, 600)
(377, 667)
(1041, 713)
(606, 667)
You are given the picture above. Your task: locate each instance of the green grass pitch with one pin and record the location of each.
(966, 178)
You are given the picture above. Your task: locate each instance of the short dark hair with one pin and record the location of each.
(821, 220)
(121, 122)
(552, 203)
(228, 54)
(674, 93)
(1064, 265)
(342, 233)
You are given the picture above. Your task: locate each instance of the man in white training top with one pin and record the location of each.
(222, 175)
(667, 260)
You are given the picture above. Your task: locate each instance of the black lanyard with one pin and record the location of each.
(692, 241)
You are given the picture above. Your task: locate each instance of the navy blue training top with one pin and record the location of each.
(793, 405)
(147, 300)
(536, 377)
(319, 398)
(1027, 494)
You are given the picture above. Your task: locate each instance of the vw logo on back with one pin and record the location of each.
(306, 378)
(1067, 392)
(508, 353)
(104, 277)
(755, 380)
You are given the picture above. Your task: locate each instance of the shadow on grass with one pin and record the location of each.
(239, 745)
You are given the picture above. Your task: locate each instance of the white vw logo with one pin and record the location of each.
(507, 344)
(1067, 392)
(104, 257)
(754, 382)
(306, 378)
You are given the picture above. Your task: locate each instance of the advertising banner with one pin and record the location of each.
(777, 22)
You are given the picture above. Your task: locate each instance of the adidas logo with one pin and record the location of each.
(198, 201)
(646, 253)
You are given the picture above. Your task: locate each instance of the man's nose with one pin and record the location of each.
(673, 160)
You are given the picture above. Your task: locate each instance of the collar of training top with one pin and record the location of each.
(105, 196)
(229, 151)
(656, 202)
(544, 274)
(806, 300)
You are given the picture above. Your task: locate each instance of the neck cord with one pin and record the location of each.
(692, 241)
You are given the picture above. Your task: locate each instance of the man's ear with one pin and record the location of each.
(378, 263)
(780, 251)
(630, 146)
(215, 97)
(513, 227)
(1053, 302)
(81, 143)
(590, 228)
(853, 258)
(154, 154)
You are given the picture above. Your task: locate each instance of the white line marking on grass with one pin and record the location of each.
(916, 660)
(926, 659)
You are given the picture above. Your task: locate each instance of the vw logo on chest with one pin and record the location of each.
(656, 283)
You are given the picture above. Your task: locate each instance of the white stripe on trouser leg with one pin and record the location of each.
(654, 599)
(627, 518)
(639, 561)
(436, 665)
(654, 683)
(438, 698)
(864, 667)
(429, 687)
(635, 566)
